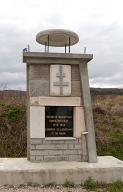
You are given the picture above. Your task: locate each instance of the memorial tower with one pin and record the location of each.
(59, 114)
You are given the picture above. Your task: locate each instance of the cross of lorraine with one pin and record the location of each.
(61, 84)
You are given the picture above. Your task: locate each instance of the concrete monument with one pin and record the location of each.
(60, 121)
(60, 129)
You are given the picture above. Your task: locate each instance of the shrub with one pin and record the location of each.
(68, 183)
(90, 184)
(13, 113)
(115, 123)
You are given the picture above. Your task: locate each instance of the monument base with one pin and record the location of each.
(16, 171)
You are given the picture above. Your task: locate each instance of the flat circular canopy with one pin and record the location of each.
(57, 37)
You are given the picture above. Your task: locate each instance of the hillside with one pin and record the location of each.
(12, 124)
(106, 91)
(108, 119)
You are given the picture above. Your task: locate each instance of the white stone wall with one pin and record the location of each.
(37, 122)
(57, 150)
(37, 114)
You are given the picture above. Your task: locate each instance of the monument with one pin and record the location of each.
(59, 115)
(60, 129)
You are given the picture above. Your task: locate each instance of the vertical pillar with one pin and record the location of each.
(91, 145)
(28, 112)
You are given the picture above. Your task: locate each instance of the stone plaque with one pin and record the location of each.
(58, 121)
(60, 80)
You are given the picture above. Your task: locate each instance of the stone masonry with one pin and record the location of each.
(57, 150)
(39, 82)
(41, 148)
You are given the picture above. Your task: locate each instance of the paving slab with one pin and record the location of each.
(15, 171)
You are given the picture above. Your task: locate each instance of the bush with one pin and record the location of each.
(13, 113)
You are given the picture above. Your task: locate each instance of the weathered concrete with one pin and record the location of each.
(55, 58)
(75, 76)
(28, 112)
(37, 122)
(40, 94)
(75, 89)
(91, 142)
(15, 171)
(57, 37)
(79, 121)
(29, 57)
(41, 72)
(57, 149)
(39, 88)
(55, 101)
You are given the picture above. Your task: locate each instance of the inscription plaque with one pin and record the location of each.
(58, 121)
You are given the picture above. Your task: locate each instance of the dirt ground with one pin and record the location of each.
(41, 189)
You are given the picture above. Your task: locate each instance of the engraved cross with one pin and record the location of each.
(61, 84)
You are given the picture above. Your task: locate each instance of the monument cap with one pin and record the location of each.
(57, 37)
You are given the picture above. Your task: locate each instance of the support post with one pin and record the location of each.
(69, 44)
(28, 112)
(91, 144)
(48, 43)
(65, 48)
(45, 47)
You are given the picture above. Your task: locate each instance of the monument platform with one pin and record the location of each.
(15, 171)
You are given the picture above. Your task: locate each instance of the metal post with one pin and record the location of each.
(45, 47)
(65, 48)
(48, 44)
(69, 44)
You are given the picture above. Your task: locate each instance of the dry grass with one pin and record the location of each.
(108, 119)
(12, 124)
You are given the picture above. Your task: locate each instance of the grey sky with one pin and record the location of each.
(99, 25)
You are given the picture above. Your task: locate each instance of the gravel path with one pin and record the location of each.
(41, 189)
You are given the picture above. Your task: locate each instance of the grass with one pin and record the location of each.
(115, 187)
(90, 184)
(52, 184)
(12, 130)
(30, 184)
(68, 183)
(115, 122)
(108, 120)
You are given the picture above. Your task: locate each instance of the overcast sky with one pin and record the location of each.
(99, 24)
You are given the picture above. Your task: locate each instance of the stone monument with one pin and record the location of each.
(59, 114)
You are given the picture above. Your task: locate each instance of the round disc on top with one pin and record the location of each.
(57, 37)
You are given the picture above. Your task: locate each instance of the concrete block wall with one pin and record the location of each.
(38, 85)
(75, 81)
(57, 150)
(39, 82)
(54, 150)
